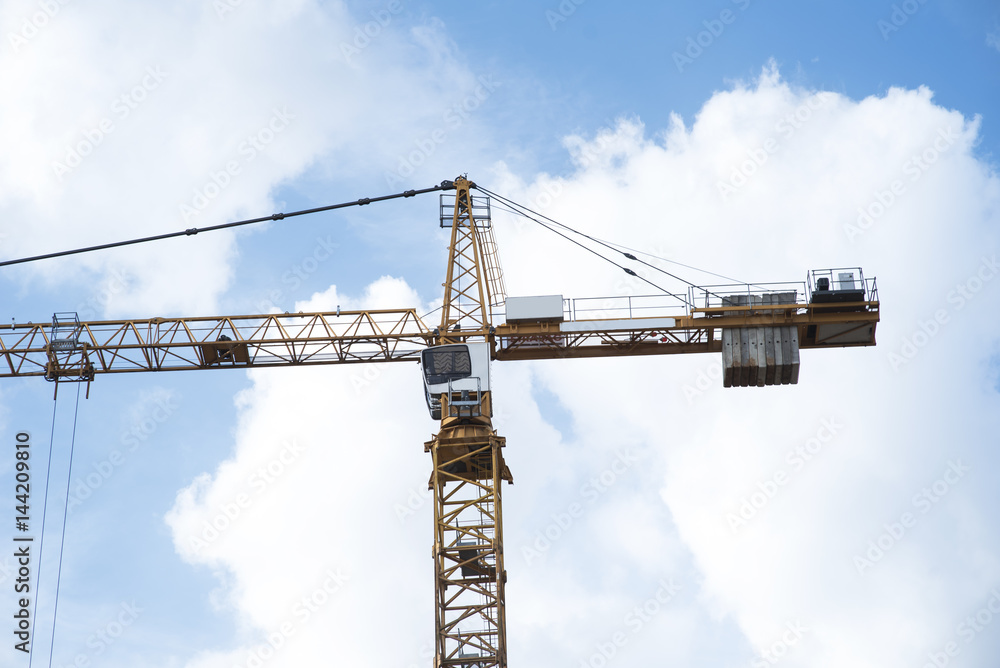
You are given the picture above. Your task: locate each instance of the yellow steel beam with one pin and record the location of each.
(468, 469)
(467, 286)
(162, 344)
(688, 334)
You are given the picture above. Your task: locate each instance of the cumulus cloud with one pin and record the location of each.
(662, 518)
(215, 106)
(767, 182)
(328, 463)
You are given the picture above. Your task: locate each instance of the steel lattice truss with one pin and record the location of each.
(161, 344)
(466, 288)
(468, 546)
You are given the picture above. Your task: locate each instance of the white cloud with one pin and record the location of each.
(890, 433)
(323, 459)
(800, 165)
(192, 117)
(993, 39)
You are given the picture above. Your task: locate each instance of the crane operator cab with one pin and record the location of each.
(460, 372)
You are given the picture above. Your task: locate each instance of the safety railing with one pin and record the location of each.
(715, 296)
(480, 210)
(841, 279)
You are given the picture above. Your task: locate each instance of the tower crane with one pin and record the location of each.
(758, 329)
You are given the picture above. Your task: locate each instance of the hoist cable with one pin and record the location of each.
(45, 506)
(62, 541)
(445, 185)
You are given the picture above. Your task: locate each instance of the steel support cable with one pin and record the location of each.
(62, 541)
(445, 185)
(511, 204)
(663, 271)
(431, 312)
(597, 241)
(681, 264)
(628, 271)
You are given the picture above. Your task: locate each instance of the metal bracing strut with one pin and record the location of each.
(468, 467)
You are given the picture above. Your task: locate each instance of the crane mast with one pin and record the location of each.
(758, 329)
(466, 453)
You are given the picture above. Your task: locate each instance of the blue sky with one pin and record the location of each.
(606, 118)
